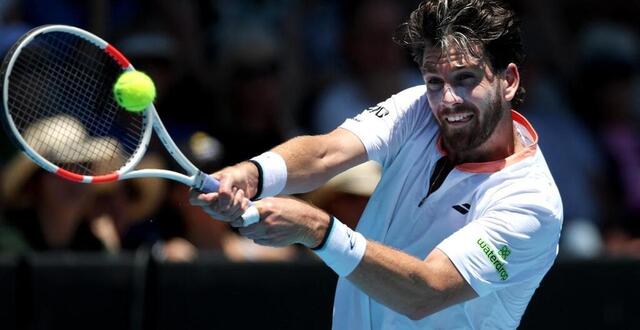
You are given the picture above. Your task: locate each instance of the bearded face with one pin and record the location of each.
(465, 97)
(466, 127)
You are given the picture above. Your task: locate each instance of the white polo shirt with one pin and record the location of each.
(499, 222)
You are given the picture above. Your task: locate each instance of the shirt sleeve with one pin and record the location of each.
(384, 128)
(513, 241)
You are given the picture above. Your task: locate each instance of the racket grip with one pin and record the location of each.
(210, 184)
(250, 216)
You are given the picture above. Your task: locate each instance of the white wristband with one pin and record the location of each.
(343, 249)
(274, 173)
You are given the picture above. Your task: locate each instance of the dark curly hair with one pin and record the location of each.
(464, 25)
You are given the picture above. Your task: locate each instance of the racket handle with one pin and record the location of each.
(210, 184)
(250, 216)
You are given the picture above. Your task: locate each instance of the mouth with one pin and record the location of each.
(458, 119)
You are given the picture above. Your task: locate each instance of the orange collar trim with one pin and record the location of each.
(497, 165)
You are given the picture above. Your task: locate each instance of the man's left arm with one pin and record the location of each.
(413, 287)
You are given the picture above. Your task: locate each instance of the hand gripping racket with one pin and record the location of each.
(59, 110)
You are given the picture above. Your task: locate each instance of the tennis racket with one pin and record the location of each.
(60, 111)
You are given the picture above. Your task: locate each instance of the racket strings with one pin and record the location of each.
(60, 99)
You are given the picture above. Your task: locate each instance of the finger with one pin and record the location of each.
(203, 199)
(215, 215)
(251, 231)
(245, 203)
(193, 196)
(264, 242)
(236, 210)
(272, 241)
(245, 231)
(237, 223)
(228, 205)
(217, 175)
(211, 211)
(226, 188)
(214, 211)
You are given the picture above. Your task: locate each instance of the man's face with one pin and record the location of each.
(465, 97)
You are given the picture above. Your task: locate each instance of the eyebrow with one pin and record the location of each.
(432, 67)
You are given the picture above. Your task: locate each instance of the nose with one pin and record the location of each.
(449, 97)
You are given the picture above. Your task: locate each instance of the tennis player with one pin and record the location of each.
(466, 219)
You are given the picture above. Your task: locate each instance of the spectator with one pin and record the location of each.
(608, 72)
(250, 113)
(124, 210)
(180, 96)
(43, 211)
(376, 66)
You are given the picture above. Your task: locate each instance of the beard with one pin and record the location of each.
(478, 131)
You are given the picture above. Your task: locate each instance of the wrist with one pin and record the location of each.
(273, 174)
(321, 232)
(343, 249)
(254, 179)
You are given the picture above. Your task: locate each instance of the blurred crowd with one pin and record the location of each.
(235, 78)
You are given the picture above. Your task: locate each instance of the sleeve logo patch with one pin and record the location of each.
(504, 252)
(379, 111)
(497, 259)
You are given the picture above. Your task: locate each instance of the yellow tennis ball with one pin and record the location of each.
(134, 91)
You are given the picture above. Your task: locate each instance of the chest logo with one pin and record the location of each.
(462, 208)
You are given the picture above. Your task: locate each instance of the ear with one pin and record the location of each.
(511, 81)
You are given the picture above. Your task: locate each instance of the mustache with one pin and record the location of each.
(457, 109)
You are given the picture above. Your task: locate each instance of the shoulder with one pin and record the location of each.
(526, 187)
(408, 104)
(529, 176)
(529, 206)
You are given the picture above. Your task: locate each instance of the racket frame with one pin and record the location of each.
(194, 177)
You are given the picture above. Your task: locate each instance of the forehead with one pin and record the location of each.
(436, 60)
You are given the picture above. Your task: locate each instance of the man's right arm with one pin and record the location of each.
(313, 160)
(310, 162)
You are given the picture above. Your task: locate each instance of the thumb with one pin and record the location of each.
(218, 174)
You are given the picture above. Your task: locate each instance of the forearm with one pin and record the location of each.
(413, 287)
(313, 160)
(298, 165)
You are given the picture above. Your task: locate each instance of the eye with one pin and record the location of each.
(466, 78)
(434, 84)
